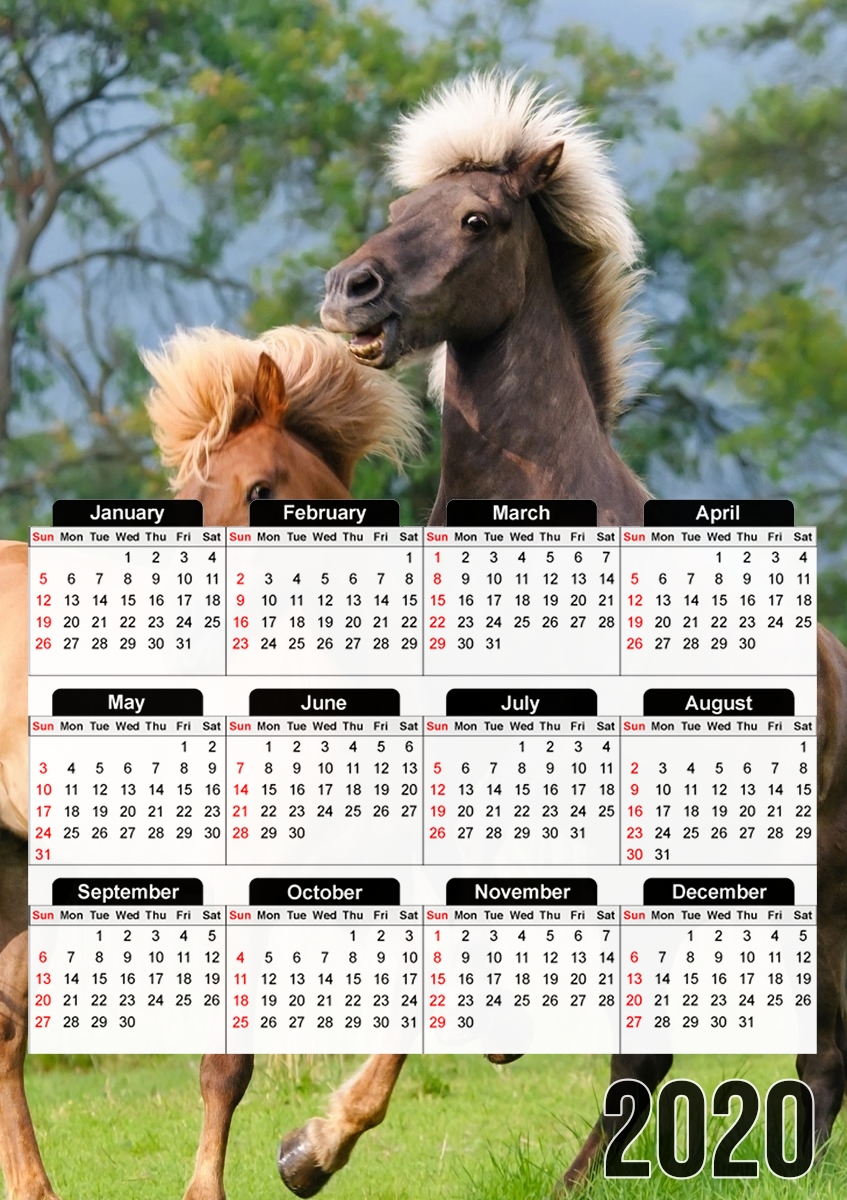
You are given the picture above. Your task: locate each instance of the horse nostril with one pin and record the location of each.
(362, 283)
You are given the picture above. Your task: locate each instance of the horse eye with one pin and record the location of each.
(475, 222)
(259, 491)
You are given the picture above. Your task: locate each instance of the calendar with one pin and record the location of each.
(330, 784)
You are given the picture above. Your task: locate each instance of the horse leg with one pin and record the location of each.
(20, 1159)
(650, 1069)
(308, 1156)
(824, 1071)
(223, 1082)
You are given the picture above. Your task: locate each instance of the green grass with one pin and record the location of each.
(458, 1129)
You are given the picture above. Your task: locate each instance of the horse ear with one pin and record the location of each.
(533, 174)
(269, 391)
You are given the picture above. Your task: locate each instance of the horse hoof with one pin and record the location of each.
(502, 1058)
(299, 1170)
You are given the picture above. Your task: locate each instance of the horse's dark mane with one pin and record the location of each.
(573, 268)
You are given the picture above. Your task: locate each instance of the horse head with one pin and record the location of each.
(260, 460)
(451, 266)
(285, 416)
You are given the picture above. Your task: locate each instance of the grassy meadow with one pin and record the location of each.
(458, 1129)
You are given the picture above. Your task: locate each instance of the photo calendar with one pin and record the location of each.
(330, 784)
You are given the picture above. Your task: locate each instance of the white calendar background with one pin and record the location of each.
(330, 784)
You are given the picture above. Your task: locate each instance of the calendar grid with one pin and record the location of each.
(226, 989)
(621, 794)
(425, 799)
(480, 679)
(423, 628)
(226, 630)
(495, 952)
(225, 797)
(619, 616)
(620, 983)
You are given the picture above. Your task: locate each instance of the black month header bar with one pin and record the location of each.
(297, 892)
(122, 702)
(127, 891)
(718, 512)
(521, 702)
(386, 513)
(719, 891)
(718, 702)
(150, 514)
(323, 702)
(521, 512)
(327, 514)
(521, 891)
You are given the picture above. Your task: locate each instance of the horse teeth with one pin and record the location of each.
(368, 350)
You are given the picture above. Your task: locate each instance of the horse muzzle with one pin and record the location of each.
(372, 342)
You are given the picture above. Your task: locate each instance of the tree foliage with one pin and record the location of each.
(749, 260)
(84, 232)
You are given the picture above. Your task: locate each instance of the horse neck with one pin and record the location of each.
(518, 421)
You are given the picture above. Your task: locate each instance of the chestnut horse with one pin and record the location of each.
(285, 416)
(515, 249)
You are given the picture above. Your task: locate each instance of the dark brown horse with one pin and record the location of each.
(515, 249)
(287, 415)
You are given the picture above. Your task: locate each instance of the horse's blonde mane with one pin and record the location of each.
(204, 391)
(494, 122)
